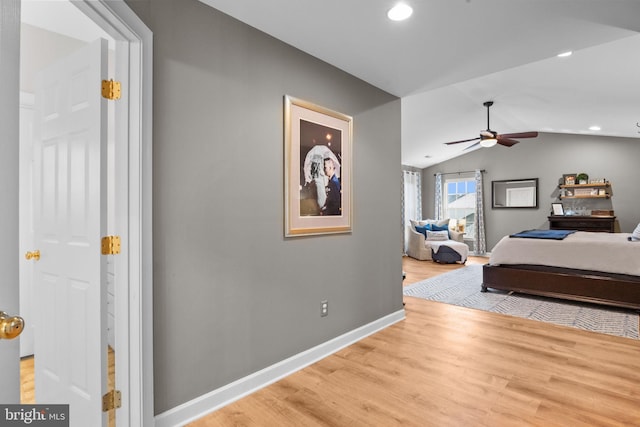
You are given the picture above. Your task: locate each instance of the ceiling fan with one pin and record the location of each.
(489, 138)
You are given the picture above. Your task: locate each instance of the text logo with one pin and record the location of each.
(34, 415)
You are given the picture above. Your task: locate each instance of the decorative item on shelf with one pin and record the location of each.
(569, 178)
(597, 181)
(602, 192)
(582, 178)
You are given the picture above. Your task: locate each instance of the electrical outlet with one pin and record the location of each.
(324, 308)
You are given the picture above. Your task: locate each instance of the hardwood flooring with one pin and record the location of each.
(453, 366)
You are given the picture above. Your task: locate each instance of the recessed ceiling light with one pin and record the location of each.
(399, 12)
(595, 128)
(564, 54)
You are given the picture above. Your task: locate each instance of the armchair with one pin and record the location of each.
(420, 248)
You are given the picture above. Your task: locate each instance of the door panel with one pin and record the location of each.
(70, 199)
(26, 221)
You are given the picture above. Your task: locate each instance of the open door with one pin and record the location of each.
(69, 221)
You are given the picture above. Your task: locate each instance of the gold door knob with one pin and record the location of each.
(35, 255)
(10, 326)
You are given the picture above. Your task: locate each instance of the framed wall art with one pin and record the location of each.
(569, 179)
(317, 152)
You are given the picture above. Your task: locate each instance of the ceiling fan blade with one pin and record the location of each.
(458, 142)
(471, 146)
(519, 135)
(507, 142)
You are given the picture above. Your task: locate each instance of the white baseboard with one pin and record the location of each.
(207, 403)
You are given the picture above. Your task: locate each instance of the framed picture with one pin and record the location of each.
(569, 178)
(317, 152)
(557, 208)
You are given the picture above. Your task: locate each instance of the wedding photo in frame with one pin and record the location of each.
(317, 147)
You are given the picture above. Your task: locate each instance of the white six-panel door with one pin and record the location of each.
(69, 202)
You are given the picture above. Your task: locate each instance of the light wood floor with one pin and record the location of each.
(452, 366)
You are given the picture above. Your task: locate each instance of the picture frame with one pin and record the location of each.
(557, 209)
(569, 178)
(318, 145)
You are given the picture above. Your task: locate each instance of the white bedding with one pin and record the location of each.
(608, 252)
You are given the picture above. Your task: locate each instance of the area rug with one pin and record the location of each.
(462, 287)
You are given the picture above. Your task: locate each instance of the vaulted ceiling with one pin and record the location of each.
(452, 55)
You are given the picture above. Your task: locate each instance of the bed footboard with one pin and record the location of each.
(617, 290)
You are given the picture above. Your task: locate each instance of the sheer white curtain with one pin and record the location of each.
(411, 201)
(480, 244)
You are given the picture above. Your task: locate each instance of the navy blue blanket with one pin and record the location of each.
(544, 234)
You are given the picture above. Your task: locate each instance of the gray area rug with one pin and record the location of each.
(462, 287)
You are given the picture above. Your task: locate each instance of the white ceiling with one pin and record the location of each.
(452, 55)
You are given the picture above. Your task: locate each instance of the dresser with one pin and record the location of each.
(603, 224)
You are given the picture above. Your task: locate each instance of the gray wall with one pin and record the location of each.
(547, 158)
(231, 294)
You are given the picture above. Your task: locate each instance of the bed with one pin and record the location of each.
(601, 268)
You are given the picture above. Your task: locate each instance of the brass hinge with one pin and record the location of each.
(110, 89)
(111, 400)
(110, 245)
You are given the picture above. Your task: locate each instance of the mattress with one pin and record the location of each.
(607, 252)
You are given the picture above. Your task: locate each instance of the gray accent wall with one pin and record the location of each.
(547, 158)
(231, 295)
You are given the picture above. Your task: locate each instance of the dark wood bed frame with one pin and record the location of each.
(619, 290)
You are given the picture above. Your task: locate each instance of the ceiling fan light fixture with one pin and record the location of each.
(400, 12)
(488, 142)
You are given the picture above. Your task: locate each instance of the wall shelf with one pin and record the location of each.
(586, 196)
(583, 191)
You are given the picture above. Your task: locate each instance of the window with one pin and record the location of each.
(460, 203)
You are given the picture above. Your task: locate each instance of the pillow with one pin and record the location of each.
(434, 227)
(438, 222)
(422, 229)
(635, 236)
(437, 235)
